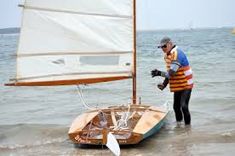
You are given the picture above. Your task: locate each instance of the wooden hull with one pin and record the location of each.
(129, 124)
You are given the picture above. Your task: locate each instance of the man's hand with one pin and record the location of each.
(155, 72)
(161, 86)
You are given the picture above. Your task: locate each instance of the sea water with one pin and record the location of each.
(35, 120)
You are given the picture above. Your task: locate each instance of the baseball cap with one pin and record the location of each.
(164, 41)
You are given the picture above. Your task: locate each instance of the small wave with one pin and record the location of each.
(227, 134)
(28, 135)
(38, 143)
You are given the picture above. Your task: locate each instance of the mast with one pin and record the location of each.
(134, 55)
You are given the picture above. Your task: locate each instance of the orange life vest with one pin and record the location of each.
(183, 78)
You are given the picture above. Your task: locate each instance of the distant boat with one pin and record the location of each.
(233, 31)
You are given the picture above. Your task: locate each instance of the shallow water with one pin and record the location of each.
(35, 120)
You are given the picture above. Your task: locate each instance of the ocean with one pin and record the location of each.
(35, 120)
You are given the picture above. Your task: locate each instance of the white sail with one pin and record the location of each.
(75, 39)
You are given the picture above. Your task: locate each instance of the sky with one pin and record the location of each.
(155, 14)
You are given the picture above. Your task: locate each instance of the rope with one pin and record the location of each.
(166, 105)
(122, 122)
(115, 97)
(82, 99)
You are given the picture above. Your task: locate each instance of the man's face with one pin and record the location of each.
(167, 47)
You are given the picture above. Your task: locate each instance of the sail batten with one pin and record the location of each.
(27, 54)
(76, 12)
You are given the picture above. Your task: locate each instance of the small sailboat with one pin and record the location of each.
(76, 42)
(233, 31)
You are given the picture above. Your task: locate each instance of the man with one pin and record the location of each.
(179, 76)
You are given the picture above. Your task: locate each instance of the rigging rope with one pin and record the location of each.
(119, 97)
(122, 122)
(82, 99)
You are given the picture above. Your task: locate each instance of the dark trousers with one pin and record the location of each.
(181, 104)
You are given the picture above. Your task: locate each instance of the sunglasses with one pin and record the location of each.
(164, 46)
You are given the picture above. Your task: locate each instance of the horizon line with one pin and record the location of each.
(158, 29)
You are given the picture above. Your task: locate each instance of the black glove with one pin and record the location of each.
(161, 86)
(155, 72)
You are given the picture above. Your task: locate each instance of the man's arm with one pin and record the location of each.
(163, 85)
(175, 65)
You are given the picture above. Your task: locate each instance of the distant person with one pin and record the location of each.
(179, 75)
